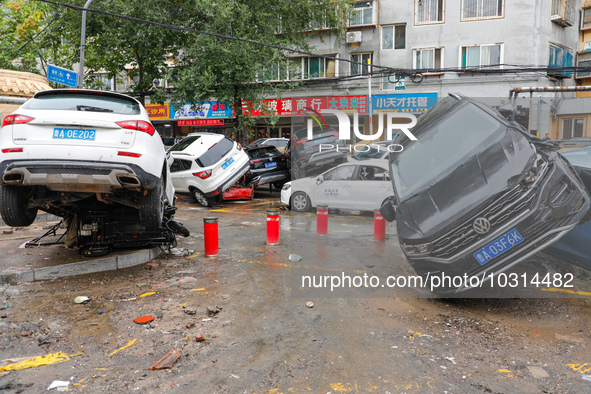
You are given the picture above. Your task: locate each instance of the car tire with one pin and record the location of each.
(200, 198)
(299, 172)
(151, 207)
(300, 202)
(13, 207)
(278, 184)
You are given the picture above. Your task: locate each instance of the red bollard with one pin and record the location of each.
(273, 226)
(379, 226)
(322, 219)
(210, 236)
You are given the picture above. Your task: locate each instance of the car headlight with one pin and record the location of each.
(417, 249)
(287, 186)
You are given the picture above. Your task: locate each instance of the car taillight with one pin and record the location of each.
(16, 119)
(254, 161)
(129, 154)
(203, 174)
(139, 125)
(12, 150)
(238, 146)
(300, 142)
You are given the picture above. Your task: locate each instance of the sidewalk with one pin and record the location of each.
(20, 264)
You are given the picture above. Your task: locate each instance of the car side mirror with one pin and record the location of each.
(319, 180)
(388, 209)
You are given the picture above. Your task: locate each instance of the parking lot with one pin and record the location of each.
(266, 333)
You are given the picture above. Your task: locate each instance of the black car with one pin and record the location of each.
(312, 156)
(476, 194)
(267, 165)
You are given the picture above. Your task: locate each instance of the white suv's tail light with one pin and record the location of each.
(12, 150)
(203, 174)
(16, 119)
(139, 125)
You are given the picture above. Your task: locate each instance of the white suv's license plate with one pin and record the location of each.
(74, 134)
(228, 163)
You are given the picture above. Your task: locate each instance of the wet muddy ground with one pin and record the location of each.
(261, 337)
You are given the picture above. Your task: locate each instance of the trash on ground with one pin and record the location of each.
(144, 319)
(199, 338)
(148, 294)
(167, 361)
(190, 311)
(100, 311)
(59, 384)
(81, 300)
(48, 359)
(310, 304)
(587, 377)
(295, 257)
(124, 347)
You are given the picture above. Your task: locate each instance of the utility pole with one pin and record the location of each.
(82, 46)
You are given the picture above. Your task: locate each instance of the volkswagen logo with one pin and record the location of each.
(481, 225)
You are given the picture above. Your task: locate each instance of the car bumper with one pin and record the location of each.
(76, 175)
(231, 181)
(541, 223)
(285, 196)
(263, 179)
(322, 158)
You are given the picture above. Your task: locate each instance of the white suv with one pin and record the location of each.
(207, 164)
(65, 149)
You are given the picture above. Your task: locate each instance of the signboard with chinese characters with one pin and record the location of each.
(211, 109)
(201, 122)
(157, 111)
(417, 102)
(281, 107)
(303, 105)
(62, 75)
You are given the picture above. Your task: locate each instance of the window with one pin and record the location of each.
(371, 173)
(478, 56)
(394, 37)
(318, 67)
(428, 58)
(563, 12)
(572, 128)
(482, 9)
(362, 14)
(359, 65)
(180, 165)
(559, 57)
(584, 60)
(390, 82)
(428, 11)
(586, 19)
(344, 173)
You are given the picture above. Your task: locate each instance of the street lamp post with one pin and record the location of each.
(82, 46)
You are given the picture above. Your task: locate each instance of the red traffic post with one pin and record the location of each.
(273, 226)
(210, 236)
(322, 219)
(379, 226)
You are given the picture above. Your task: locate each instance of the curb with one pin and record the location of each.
(81, 268)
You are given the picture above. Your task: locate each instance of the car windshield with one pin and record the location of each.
(370, 152)
(259, 153)
(184, 144)
(85, 102)
(317, 132)
(215, 153)
(442, 148)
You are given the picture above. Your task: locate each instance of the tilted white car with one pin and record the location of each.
(362, 186)
(207, 164)
(63, 148)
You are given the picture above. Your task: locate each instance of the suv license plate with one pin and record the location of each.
(228, 163)
(73, 134)
(498, 246)
(271, 164)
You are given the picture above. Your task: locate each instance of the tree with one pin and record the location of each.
(212, 67)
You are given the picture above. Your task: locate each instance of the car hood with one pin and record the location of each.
(458, 195)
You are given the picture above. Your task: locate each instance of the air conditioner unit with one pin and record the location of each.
(353, 36)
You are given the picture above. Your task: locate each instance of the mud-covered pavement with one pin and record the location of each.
(262, 338)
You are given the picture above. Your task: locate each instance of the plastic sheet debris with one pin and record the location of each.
(144, 319)
(587, 377)
(60, 385)
(167, 361)
(124, 347)
(295, 258)
(81, 300)
(48, 359)
(180, 252)
(310, 304)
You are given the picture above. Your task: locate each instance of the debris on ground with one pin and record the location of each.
(310, 304)
(212, 311)
(48, 359)
(144, 319)
(60, 385)
(167, 361)
(124, 347)
(81, 300)
(295, 257)
(199, 338)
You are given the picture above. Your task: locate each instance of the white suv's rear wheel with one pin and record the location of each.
(13, 204)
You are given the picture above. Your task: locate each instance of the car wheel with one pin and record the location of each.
(300, 202)
(299, 172)
(151, 208)
(13, 207)
(278, 184)
(201, 199)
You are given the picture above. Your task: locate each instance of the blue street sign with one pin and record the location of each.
(61, 75)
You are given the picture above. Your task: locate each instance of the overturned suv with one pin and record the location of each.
(475, 194)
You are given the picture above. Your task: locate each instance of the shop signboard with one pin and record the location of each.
(158, 111)
(207, 110)
(415, 102)
(304, 105)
